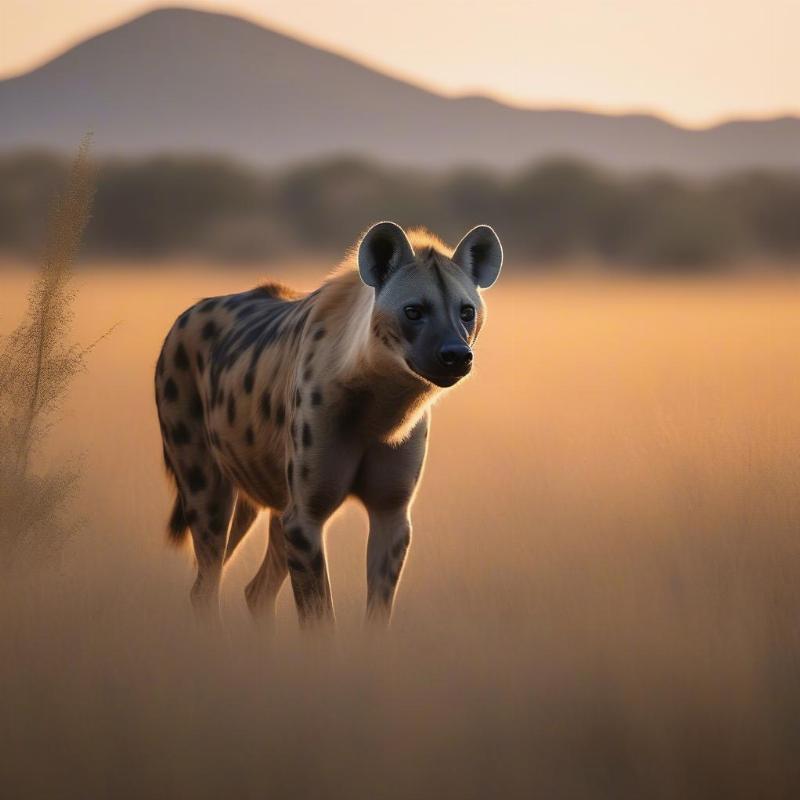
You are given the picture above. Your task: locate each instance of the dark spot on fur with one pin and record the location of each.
(280, 416)
(249, 379)
(210, 330)
(308, 374)
(319, 334)
(304, 472)
(321, 503)
(181, 358)
(183, 319)
(160, 364)
(316, 397)
(317, 563)
(196, 406)
(190, 516)
(180, 434)
(353, 409)
(297, 539)
(208, 305)
(249, 436)
(170, 390)
(290, 471)
(200, 363)
(231, 409)
(196, 479)
(298, 398)
(306, 435)
(266, 405)
(400, 546)
(295, 565)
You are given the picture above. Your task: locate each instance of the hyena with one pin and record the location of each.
(294, 402)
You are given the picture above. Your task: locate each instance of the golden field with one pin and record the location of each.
(602, 598)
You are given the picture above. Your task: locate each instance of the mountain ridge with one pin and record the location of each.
(177, 79)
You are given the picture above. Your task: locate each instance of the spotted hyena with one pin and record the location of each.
(294, 402)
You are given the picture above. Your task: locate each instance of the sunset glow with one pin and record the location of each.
(693, 64)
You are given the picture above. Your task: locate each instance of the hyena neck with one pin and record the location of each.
(397, 399)
(391, 399)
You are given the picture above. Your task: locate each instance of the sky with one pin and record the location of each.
(692, 62)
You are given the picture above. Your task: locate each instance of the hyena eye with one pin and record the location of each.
(467, 313)
(413, 312)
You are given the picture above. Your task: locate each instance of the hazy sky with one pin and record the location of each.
(695, 61)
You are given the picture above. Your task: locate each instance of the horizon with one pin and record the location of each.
(35, 44)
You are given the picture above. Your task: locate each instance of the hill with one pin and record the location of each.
(188, 81)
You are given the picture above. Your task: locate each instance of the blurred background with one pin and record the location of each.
(628, 135)
(603, 595)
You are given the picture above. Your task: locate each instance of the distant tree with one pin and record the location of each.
(28, 182)
(547, 214)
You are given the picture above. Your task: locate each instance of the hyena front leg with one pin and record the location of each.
(262, 592)
(308, 570)
(389, 538)
(386, 481)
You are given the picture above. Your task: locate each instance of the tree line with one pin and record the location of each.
(547, 214)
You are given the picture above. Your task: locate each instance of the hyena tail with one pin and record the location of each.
(178, 526)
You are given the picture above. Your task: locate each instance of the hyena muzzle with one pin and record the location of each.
(294, 402)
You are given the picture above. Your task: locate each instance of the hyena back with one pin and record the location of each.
(272, 399)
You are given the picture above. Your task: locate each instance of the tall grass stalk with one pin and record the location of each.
(37, 365)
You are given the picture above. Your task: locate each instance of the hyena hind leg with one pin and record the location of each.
(262, 592)
(208, 510)
(243, 518)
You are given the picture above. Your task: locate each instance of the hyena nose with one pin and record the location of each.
(456, 357)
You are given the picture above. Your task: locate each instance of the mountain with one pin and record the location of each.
(191, 81)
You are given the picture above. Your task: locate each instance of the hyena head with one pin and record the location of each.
(428, 309)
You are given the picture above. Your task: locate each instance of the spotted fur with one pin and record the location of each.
(271, 399)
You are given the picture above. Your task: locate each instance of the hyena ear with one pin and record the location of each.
(384, 248)
(480, 255)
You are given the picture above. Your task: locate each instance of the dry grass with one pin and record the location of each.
(602, 599)
(37, 365)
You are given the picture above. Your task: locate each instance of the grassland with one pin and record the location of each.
(602, 599)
